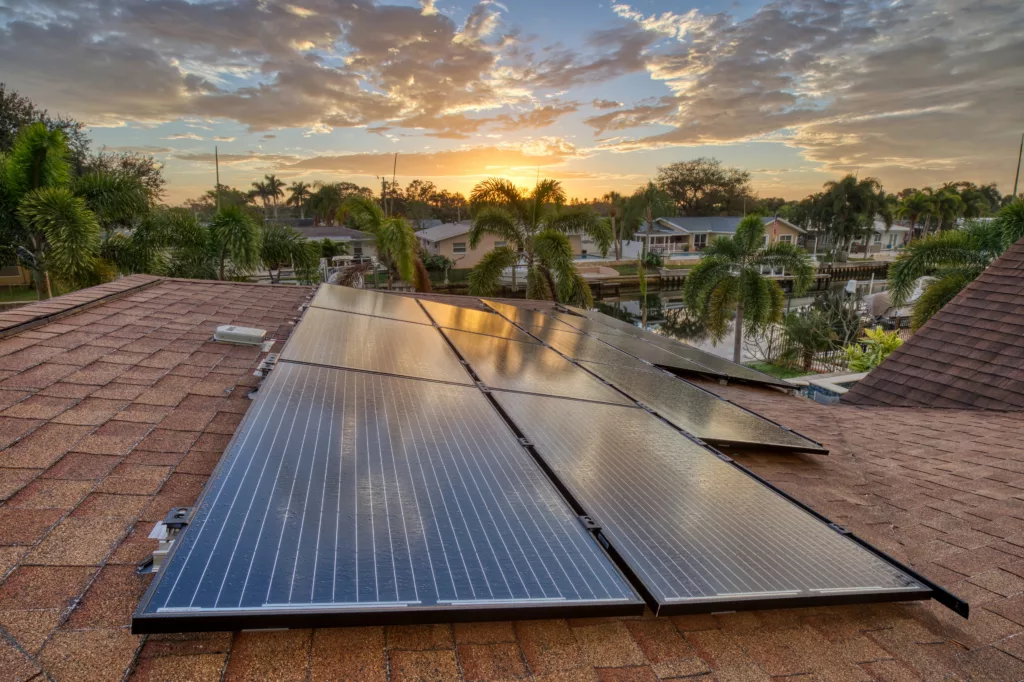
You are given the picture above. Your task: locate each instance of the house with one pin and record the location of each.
(883, 239)
(14, 276)
(116, 408)
(967, 356)
(360, 244)
(452, 241)
(685, 235)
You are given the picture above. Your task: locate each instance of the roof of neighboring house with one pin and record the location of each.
(115, 407)
(879, 226)
(339, 234)
(712, 225)
(969, 355)
(445, 231)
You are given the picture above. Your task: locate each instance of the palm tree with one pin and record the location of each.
(235, 240)
(729, 278)
(261, 191)
(534, 226)
(647, 203)
(915, 207)
(949, 207)
(275, 190)
(853, 204)
(397, 247)
(56, 222)
(281, 245)
(298, 193)
(955, 258)
(623, 218)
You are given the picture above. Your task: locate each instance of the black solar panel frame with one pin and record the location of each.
(292, 618)
(937, 592)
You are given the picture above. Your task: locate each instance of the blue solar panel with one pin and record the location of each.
(351, 497)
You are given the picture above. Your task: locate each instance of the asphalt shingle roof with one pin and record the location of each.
(969, 355)
(115, 413)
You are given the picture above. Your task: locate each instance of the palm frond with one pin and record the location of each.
(548, 192)
(498, 221)
(703, 278)
(721, 304)
(496, 191)
(38, 159)
(724, 247)
(485, 277)
(554, 252)
(237, 238)
(950, 249)
(749, 236)
(937, 294)
(1011, 220)
(115, 198)
(582, 220)
(71, 230)
(364, 212)
(539, 284)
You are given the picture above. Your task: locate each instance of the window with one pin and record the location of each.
(10, 271)
(458, 247)
(500, 245)
(700, 241)
(764, 242)
(357, 251)
(786, 238)
(878, 239)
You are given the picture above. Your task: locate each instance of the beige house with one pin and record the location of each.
(14, 276)
(452, 241)
(672, 236)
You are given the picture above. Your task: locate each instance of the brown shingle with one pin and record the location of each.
(929, 367)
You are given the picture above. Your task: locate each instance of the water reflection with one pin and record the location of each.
(667, 315)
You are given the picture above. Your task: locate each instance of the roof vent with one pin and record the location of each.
(246, 336)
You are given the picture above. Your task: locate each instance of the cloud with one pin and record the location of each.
(137, 149)
(220, 138)
(605, 104)
(184, 136)
(253, 159)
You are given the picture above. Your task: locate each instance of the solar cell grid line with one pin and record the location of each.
(364, 302)
(358, 498)
(700, 413)
(528, 318)
(586, 325)
(373, 344)
(476, 321)
(514, 366)
(698, 532)
(581, 347)
(653, 354)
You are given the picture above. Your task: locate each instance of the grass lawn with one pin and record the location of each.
(17, 294)
(776, 371)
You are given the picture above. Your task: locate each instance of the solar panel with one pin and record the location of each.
(590, 326)
(476, 321)
(714, 363)
(528, 318)
(653, 354)
(514, 366)
(584, 347)
(363, 302)
(698, 412)
(700, 534)
(374, 344)
(355, 498)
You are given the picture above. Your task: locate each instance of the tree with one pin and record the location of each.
(449, 207)
(235, 239)
(535, 226)
(275, 189)
(17, 112)
(53, 222)
(704, 187)
(915, 207)
(397, 246)
(261, 191)
(729, 279)
(330, 248)
(281, 245)
(298, 193)
(849, 209)
(328, 197)
(954, 258)
(624, 216)
(873, 349)
(142, 167)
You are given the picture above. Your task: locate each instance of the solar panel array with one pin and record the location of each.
(373, 344)
(698, 412)
(531, 367)
(692, 528)
(476, 321)
(373, 482)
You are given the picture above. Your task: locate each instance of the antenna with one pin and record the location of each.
(216, 165)
(1016, 178)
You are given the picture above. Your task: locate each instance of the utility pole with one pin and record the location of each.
(216, 164)
(383, 194)
(1016, 178)
(394, 171)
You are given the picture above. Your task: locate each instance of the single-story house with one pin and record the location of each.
(14, 276)
(884, 240)
(360, 244)
(452, 241)
(679, 235)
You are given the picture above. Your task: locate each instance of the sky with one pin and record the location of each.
(595, 94)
